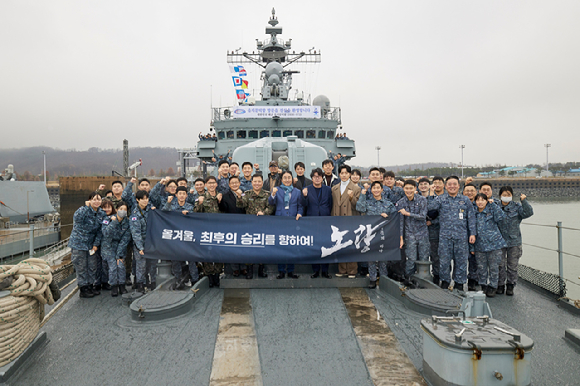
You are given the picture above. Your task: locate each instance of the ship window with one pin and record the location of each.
(221, 135)
(311, 134)
(287, 133)
(299, 133)
(330, 134)
(277, 133)
(321, 134)
(241, 134)
(231, 134)
(264, 133)
(253, 134)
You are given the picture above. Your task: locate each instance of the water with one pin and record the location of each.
(549, 212)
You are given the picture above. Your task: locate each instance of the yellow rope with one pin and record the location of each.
(22, 311)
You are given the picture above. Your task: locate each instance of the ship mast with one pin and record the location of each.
(273, 56)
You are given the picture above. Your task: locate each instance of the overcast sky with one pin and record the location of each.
(419, 78)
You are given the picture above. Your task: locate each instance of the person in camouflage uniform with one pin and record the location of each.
(180, 204)
(138, 225)
(116, 237)
(85, 237)
(457, 221)
(255, 202)
(414, 234)
(129, 198)
(209, 203)
(437, 189)
(223, 178)
(470, 191)
(510, 230)
(116, 188)
(489, 243)
(376, 205)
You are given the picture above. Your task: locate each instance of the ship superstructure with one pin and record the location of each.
(277, 124)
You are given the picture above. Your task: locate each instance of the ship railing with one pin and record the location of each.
(554, 283)
(11, 237)
(225, 113)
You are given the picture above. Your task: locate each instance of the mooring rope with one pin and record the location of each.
(22, 311)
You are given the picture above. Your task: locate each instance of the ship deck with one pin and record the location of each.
(321, 336)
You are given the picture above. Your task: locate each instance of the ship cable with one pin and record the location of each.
(22, 311)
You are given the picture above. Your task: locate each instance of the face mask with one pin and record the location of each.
(506, 199)
(122, 213)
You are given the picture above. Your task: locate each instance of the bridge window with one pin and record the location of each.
(264, 133)
(241, 134)
(276, 133)
(299, 133)
(230, 134)
(287, 133)
(311, 134)
(321, 134)
(253, 134)
(330, 134)
(221, 135)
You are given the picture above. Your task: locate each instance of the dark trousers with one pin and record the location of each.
(318, 267)
(286, 267)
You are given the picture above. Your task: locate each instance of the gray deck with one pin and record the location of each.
(555, 359)
(304, 336)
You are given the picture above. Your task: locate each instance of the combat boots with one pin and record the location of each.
(373, 284)
(484, 289)
(95, 290)
(114, 290)
(84, 292)
(436, 279)
(250, 272)
(445, 284)
(471, 283)
(106, 287)
(510, 290)
(500, 290)
(122, 289)
(490, 292)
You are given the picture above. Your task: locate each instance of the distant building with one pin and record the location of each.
(513, 171)
(573, 173)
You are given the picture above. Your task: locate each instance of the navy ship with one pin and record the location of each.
(323, 333)
(283, 122)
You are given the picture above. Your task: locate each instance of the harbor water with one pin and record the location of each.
(549, 212)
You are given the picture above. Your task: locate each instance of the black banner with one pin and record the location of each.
(236, 238)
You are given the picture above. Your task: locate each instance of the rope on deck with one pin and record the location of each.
(22, 311)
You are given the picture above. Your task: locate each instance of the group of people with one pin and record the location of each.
(480, 234)
(341, 136)
(207, 137)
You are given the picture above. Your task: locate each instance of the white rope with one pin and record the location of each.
(22, 311)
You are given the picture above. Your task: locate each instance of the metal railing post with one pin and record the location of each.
(31, 237)
(560, 259)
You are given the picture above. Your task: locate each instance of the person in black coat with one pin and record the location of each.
(228, 205)
(317, 201)
(300, 181)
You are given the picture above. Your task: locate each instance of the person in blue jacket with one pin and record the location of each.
(84, 241)
(116, 237)
(288, 202)
(510, 229)
(317, 201)
(488, 244)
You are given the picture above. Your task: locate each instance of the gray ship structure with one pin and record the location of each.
(282, 123)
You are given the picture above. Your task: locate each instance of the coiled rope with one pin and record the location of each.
(22, 311)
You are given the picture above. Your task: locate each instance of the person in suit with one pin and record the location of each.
(344, 198)
(317, 201)
(288, 202)
(228, 204)
(300, 181)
